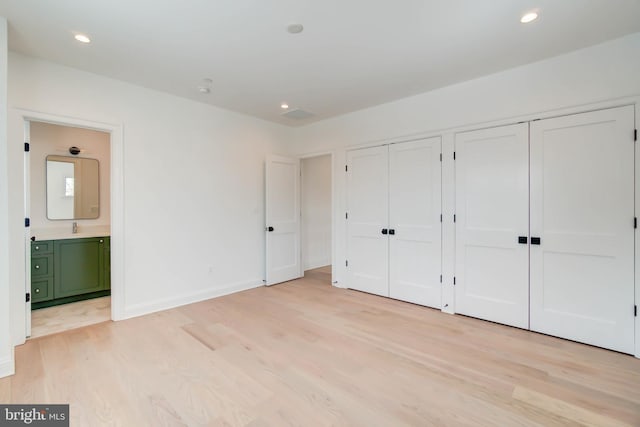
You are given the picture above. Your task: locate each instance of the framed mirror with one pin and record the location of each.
(73, 188)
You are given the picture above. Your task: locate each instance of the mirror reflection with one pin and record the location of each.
(73, 188)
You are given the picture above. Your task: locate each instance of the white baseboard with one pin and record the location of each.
(7, 367)
(316, 264)
(136, 310)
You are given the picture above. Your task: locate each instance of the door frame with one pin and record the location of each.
(117, 212)
(334, 210)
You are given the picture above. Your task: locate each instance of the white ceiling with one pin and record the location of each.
(351, 55)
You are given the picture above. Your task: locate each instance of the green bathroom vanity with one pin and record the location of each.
(68, 270)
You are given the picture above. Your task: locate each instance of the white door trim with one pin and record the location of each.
(27, 232)
(117, 209)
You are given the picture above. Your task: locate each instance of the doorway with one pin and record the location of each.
(316, 214)
(68, 203)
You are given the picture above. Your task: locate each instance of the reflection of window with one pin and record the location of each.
(68, 187)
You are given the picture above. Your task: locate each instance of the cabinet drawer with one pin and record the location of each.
(42, 247)
(42, 266)
(42, 289)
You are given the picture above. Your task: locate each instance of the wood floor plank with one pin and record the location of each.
(304, 353)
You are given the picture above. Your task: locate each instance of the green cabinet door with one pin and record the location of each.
(78, 266)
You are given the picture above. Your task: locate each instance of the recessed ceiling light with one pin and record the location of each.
(295, 28)
(284, 105)
(529, 17)
(82, 38)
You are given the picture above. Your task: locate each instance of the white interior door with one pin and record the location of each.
(282, 214)
(582, 198)
(368, 214)
(492, 217)
(415, 249)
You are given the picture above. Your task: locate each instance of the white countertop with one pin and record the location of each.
(64, 233)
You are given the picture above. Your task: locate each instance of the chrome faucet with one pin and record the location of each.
(75, 227)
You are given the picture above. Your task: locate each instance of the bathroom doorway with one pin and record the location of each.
(68, 206)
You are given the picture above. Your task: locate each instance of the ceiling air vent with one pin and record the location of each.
(297, 114)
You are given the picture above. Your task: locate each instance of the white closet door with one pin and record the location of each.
(492, 212)
(282, 214)
(415, 249)
(582, 198)
(367, 206)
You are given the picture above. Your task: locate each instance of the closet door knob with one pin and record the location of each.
(385, 231)
(392, 231)
(37, 267)
(269, 229)
(535, 240)
(522, 240)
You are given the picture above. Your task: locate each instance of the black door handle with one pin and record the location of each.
(522, 240)
(535, 240)
(385, 231)
(392, 231)
(269, 229)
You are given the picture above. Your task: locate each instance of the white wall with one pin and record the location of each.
(193, 185)
(598, 73)
(316, 211)
(47, 139)
(566, 83)
(6, 349)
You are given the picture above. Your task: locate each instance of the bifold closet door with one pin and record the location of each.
(415, 249)
(582, 199)
(492, 224)
(368, 210)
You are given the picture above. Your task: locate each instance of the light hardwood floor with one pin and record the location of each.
(60, 318)
(304, 353)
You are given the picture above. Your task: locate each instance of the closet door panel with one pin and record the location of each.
(582, 198)
(415, 248)
(492, 212)
(367, 207)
